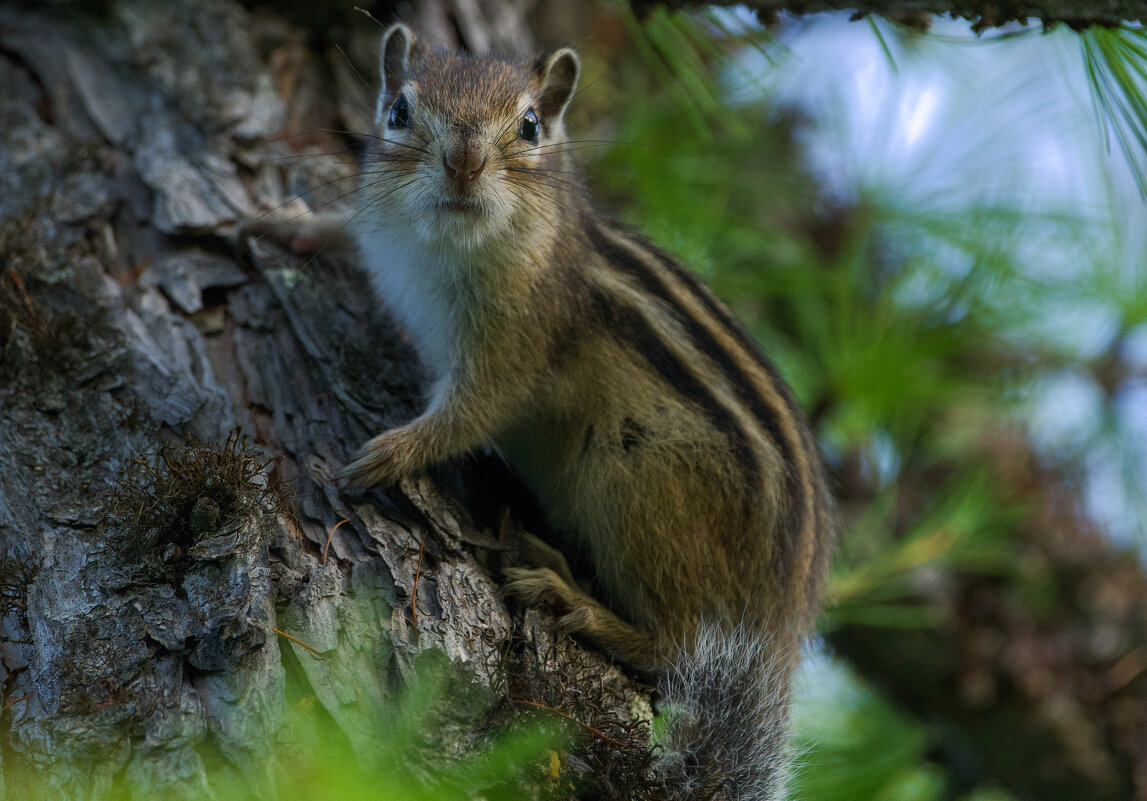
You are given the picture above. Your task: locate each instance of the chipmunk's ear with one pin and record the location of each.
(398, 43)
(557, 73)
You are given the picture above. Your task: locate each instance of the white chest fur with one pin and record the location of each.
(423, 289)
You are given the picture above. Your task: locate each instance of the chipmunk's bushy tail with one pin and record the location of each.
(726, 737)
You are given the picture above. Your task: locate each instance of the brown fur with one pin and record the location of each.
(654, 432)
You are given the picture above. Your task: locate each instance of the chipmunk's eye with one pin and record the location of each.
(530, 127)
(400, 113)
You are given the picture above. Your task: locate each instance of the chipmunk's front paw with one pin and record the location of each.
(383, 460)
(301, 229)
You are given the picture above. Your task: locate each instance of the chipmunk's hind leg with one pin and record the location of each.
(584, 617)
(533, 550)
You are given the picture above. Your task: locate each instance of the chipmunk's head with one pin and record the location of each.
(467, 148)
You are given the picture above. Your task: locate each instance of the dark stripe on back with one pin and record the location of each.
(649, 280)
(630, 328)
(704, 341)
(723, 315)
(735, 327)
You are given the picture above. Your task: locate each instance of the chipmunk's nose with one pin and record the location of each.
(464, 165)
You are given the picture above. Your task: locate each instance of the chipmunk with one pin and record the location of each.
(657, 437)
